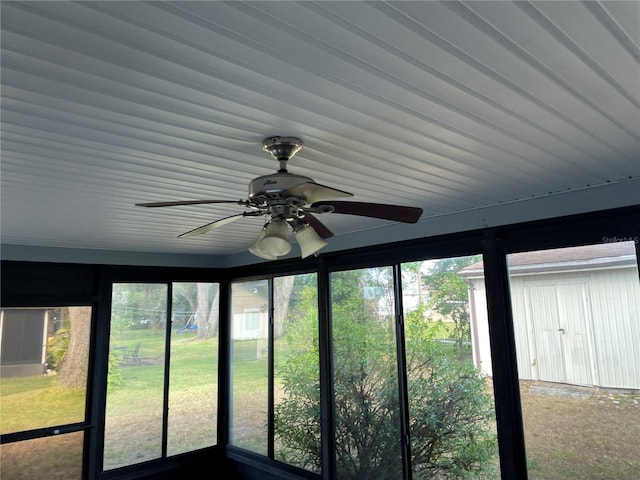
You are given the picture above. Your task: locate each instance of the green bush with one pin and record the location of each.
(114, 379)
(57, 346)
(451, 410)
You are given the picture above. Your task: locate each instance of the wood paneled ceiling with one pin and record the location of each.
(460, 108)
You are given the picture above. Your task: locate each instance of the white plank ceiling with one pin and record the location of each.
(455, 107)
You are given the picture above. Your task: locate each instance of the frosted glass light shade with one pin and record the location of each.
(276, 239)
(255, 248)
(309, 240)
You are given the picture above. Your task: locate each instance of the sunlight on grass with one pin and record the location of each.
(135, 405)
(36, 402)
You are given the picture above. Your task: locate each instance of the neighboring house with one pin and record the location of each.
(250, 320)
(24, 334)
(576, 314)
(411, 299)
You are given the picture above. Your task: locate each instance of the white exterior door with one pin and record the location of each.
(559, 319)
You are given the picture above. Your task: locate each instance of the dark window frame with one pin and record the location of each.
(87, 425)
(38, 284)
(110, 275)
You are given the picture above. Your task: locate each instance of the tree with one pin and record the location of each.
(73, 341)
(138, 306)
(300, 375)
(282, 295)
(450, 409)
(207, 311)
(449, 296)
(200, 300)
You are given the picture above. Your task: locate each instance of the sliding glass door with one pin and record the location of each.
(163, 364)
(413, 393)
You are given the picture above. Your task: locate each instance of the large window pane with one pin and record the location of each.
(193, 385)
(54, 458)
(249, 365)
(44, 368)
(135, 390)
(297, 375)
(367, 406)
(45, 355)
(451, 407)
(576, 315)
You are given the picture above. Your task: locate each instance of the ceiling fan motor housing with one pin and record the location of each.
(270, 187)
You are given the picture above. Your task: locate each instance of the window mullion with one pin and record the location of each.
(327, 401)
(503, 358)
(270, 369)
(402, 373)
(167, 364)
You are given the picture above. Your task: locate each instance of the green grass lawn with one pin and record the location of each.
(36, 402)
(134, 411)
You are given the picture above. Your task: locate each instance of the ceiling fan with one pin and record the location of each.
(289, 200)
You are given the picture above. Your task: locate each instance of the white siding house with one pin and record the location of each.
(23, 341)
(576, 314)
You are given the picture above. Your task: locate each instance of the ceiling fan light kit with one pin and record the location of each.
(290, 200)
(309, 240)
(255, 248)
(276, 238)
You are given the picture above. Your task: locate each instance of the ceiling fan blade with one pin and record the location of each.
(187, 202)
(396, 213)
(318, 226)
(314, 192)
(210, 226)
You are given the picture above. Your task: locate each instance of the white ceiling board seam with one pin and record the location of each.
(139, 91)
(509, 152)
(568, 43)
(479, 22)
(487, 70)
(407, 87)
(136, 133)
(601, 12)
(443, 125)
(165, 126)
(26, 134)
(321, 8)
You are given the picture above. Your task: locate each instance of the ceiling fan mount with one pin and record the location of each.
(291, 200)
(282, 148)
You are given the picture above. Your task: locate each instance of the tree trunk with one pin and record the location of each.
(207, 312)
(73, 370)
(281, 297)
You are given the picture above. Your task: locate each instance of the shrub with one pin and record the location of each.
(451, 411)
